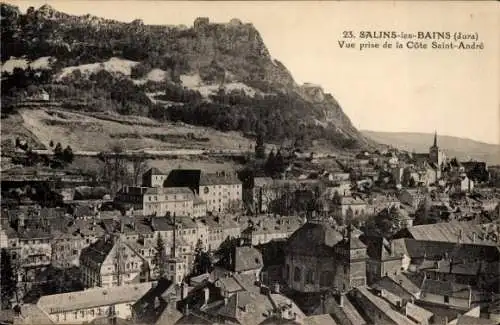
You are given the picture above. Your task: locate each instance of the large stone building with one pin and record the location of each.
(318, 257)
(84, 307)
(111, 262)
(220, 191)
(160, 201)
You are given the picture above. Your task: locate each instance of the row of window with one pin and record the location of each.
(326, 278)
(83, 314)
(155, 198)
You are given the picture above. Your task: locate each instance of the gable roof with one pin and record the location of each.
(448, 288)
(450, 232)
(432, 250)
(418, 313)
(385, 307)
(184, 178)
(94, 297)
(389, 285)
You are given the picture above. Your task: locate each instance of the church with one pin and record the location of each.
(318, 257)
(436, 155)
(428, 167)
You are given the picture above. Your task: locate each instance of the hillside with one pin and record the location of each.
(220, 76)
(464, 149)
(99, 132)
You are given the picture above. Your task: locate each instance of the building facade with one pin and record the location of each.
(318, 258)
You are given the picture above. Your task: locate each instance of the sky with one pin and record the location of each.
(452, 92)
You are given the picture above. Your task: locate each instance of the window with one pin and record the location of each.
(326, 278)
(296, 274)
(309, 277)
(206, 190)
(446, 299)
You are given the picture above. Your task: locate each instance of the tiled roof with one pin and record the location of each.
(385, 307)
(184, 178)
(32, 314)
(161, 224)
(418, 313)
(388, 284)
(313, 238)
(410, 285)
(170, 190)
(324, 319)
(448, 288)
(94, 297)
(249, 308)
(97, 252)
(213, 179)
(449, 232)
(437, 250)
(246, 258)
(229, 284)
(469, 320)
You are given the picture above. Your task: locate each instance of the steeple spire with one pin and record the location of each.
(435, 139)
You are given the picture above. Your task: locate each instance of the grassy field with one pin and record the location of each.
(91, 132)
(97, 132)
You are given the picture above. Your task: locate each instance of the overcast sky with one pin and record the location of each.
(455, 93)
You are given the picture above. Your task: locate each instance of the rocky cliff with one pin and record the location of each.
(218, 75)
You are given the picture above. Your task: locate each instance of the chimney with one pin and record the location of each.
(341, 300)
(206, 292)
(225, 301)
(184, 290)
(474, 237)
(186, 310)
(157, 303)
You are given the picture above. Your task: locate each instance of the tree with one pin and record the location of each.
(58, 161)
(280, 162)
(270, 165)
(8, 281)
(260, 150)
(114, 171)
(58, 150)
(202, 262)
(139, 166)
(67, 155)
(160, 258)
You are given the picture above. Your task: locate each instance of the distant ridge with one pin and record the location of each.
(462, 148)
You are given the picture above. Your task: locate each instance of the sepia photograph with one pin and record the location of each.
(250, 162)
